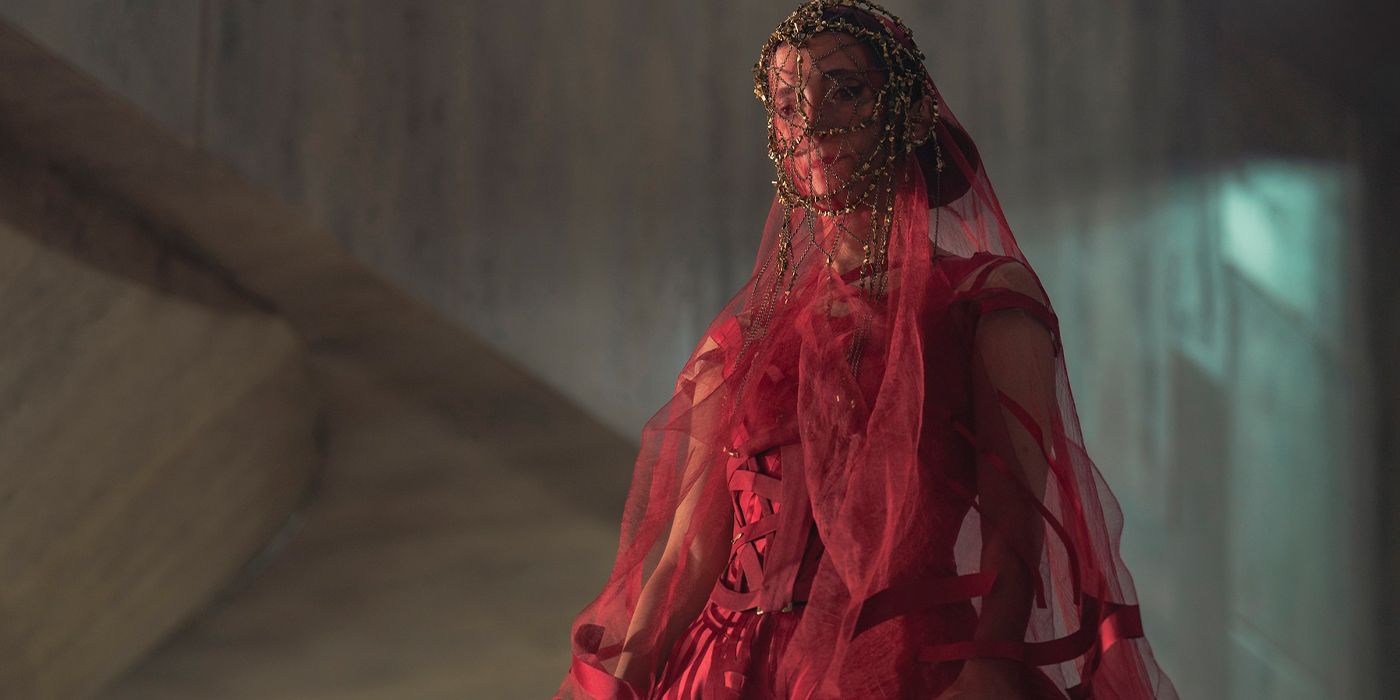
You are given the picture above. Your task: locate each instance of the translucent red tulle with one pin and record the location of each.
(797, 530)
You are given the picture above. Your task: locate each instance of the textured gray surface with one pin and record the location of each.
(435, 562)
(585, 208)
(147, 50)
(156, 427)
(449, 473)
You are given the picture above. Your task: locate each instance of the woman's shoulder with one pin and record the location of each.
(992, 282)
(985, 270)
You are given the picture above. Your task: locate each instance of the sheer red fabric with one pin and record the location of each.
(928, 522)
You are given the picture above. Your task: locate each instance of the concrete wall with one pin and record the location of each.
(1196, 220)
(582, 184)
(157, 427)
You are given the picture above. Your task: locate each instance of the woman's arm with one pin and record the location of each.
(696, 551)
(685, 574)
(1013, 364)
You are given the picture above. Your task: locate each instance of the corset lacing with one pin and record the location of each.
(775, 546)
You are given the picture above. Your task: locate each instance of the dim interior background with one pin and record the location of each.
(331, 325)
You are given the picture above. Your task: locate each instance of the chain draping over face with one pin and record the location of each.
(847, 97)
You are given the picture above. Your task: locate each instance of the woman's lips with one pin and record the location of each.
(827, 160)
(831, 160)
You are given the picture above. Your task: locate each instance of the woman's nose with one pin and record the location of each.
(813, 101)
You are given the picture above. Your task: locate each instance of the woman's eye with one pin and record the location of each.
(848, 92)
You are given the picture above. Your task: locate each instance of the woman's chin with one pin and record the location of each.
(825, 194)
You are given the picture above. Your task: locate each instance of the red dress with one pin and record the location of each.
(959, 520)
(736, 635)
(731, 649)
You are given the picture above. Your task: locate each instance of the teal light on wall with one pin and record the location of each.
(1285, 235)
(1284, 230)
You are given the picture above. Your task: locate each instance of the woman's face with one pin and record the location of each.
(823, 101)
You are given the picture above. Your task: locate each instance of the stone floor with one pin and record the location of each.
(433, 563)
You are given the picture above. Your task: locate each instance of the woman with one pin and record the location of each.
(870, 481)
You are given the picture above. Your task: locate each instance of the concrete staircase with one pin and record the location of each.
(236, 463)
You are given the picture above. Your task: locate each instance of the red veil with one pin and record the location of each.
(929, 436)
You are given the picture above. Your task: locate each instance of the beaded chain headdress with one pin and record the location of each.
(849, 105)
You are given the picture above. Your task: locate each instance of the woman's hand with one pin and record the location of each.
(636, 671)
(987, 679)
